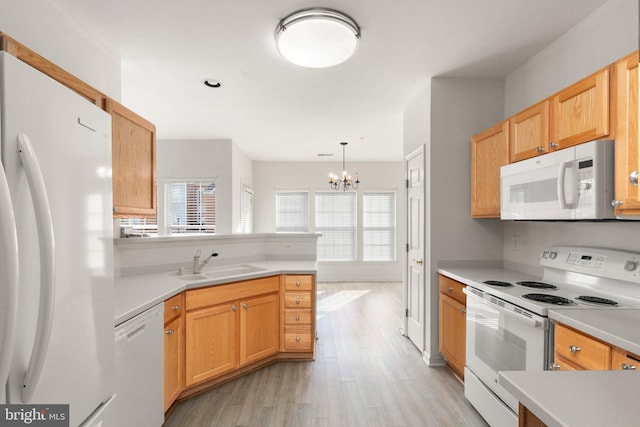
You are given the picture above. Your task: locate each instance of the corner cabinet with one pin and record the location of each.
(173, 349)
(489, 151)
(453, 309)
(627, 153)
(134, 162)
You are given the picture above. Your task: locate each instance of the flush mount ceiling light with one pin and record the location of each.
(317, 38)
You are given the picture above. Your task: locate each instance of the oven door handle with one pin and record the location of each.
(533, 322)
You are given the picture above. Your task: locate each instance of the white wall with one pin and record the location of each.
(312, 176)
(458, 108)
(610, 33)
(241, 174)
(46, 29)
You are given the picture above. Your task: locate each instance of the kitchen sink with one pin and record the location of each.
(232, 270)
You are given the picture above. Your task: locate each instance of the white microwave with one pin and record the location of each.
(570, 184)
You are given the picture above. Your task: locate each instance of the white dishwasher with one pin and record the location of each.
(139, 399)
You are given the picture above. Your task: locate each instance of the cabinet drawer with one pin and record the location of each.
(453, 289)
(298, 338)
(298, 283)
(581, 350)
(297, 299)
(173, 307)
(297, 316)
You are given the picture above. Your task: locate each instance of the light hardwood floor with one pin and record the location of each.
(365, 374)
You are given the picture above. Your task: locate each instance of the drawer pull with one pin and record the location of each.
(175, 308)
(169, 332)
(463, 310)
(297, 339)
(555, 367)
(627, 367)
(298, 284)
(297, 300)
(574, 349)
(297, 317)
(450, 288)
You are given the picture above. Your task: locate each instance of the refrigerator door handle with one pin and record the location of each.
(44, 224)
(9, 246)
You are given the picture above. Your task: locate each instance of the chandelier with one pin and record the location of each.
(345, 182)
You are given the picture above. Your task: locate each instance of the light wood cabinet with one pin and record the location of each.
(298, 319)
(230, 326)
(530, 133)
(489, 151)
(624, 361)
(526, 418)
(627, 158)
(211, 342)
(581, 351)
(173, 349)
(259, 326)
(581, 111)
(453, 324)
(134, 162)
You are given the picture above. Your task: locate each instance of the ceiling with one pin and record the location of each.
(275, 110)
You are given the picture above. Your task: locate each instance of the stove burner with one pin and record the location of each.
(551, 299)
(498, 283)
(597, 300)
(538, 285)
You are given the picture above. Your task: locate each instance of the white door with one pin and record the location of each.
(414, 286)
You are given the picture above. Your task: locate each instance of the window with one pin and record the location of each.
(246, 208)
(192, 207)
(379, 226)
(336, 220)
(292, 211)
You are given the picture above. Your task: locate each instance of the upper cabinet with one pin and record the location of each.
(627, 160)
(581, 111)
(489, 151)
(134, 162)
(530, 132)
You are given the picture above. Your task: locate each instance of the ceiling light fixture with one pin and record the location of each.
(346, 182)
(212, 83)
(317, 37)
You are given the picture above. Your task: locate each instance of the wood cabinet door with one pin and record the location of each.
(582, 351)
(626, 148)
(489, 151)
(529, 132)
(134, 162)
(259, 328)
(581, 111)
(173, 360)
(211, 342)
(453, 333)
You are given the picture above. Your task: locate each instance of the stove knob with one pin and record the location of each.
(630, 265)
(544, 254)
(553, 254)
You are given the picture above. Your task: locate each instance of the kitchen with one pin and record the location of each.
(431, 117)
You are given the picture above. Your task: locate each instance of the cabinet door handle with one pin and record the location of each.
(169, 332)
(234, 308)
(450, 289)
(539, 149)
(574, 349)
(627, 367)
(245, 306)
(617, 203)
(297, 339)
(463, 310)
(553, 145)
(175, 308)
(633, 178)
(555, 367)
(297, 300)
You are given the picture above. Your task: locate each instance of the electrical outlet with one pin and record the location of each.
(287, 246)
(515, 239)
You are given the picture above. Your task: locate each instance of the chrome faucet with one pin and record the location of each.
(197, 264)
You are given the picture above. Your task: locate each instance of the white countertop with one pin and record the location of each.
(578, 398)
(617, 326)
(137, 293)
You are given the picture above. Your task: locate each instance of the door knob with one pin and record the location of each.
(418, 261)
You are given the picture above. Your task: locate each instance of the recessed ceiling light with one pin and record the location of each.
(317, 37)
(212, 83)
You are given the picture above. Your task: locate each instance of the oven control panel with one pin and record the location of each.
(606, 263)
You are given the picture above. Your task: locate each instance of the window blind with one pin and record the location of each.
(246, 219)
(379, 226)
(336, 219)
(192, 207)
(292, 211)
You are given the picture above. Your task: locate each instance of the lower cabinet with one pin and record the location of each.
(173, 349)
(298, 318)
(259, 328)
(453, 318)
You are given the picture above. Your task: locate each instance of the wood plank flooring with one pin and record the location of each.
(365, 374)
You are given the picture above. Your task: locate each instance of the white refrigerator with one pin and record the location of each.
(56, 248)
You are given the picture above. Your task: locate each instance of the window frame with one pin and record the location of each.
(304, 213)
(327, 231)
(392, 245)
